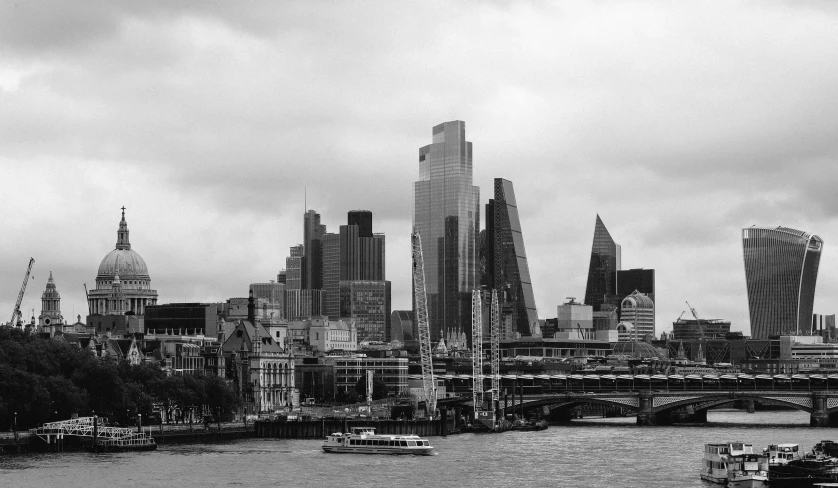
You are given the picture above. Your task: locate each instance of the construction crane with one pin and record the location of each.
(421, 297)
(87, 298)
(698, 320)
(495, 337)
(477, 350)
(16, 313)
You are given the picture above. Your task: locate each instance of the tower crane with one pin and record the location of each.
(495, 337)
(477, 349)
(16, 313)
(700, 326)
(420, 294)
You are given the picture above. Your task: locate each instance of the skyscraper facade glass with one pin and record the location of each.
(506, 260)
(605, 262)
(781, 269)
(331, 274)
(447, 219)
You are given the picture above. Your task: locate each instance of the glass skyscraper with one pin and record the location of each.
(506, 260)
(447, 218)
(602, 272)
(781, 269)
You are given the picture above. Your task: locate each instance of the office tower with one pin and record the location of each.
(506, 260)
(331, 274)
(781, 269)
(639, 310)
(294, 268)
(605, 262)
(447, 218)
(368, 302)
(282, 276)
(313, 233)
(642, 280)
(363, 219)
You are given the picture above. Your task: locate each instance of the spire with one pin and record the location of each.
(50, 280)
(251, 308)
(122, 234)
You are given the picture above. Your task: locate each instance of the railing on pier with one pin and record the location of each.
(84, 427)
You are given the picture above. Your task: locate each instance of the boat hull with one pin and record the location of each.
(714, 479)
(415, 451)
(748, 482)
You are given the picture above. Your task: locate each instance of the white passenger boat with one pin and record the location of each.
(716, 459)
(747, 471)
(364, 440)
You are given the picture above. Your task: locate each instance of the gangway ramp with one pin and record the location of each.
(85, 429)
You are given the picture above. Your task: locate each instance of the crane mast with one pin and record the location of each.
(477, 349)
(16, 313)
(495, 337)
(421, 297)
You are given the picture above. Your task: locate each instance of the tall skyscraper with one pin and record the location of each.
(781, 269)
(506, 260)
(313, 233)
(605, 262)
(447, 218)
(331, 274)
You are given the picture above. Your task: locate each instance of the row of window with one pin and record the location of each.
(386, 443)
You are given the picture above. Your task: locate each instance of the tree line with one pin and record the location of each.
(43, 380)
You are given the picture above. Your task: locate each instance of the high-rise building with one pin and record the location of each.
(447, 219)
(368, 303)
(506, 259)
(294, 268)
(781, 269)
(313, 233)
(363, 219)
(605, 262)
(639, 310)
(50, 307)
(331, 274)
(630, 280)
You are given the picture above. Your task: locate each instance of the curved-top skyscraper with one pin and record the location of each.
(781, 269)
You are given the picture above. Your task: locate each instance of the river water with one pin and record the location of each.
(592, 452)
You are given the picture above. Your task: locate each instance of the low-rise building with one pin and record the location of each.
(349, 369)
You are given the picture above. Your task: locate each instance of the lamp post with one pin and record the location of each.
(139, 423)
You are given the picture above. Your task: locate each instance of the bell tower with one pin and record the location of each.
(50, 308)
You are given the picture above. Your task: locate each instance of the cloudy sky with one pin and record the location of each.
(680, 123)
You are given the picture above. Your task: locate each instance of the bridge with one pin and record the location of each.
(91, 428)
(663, 399)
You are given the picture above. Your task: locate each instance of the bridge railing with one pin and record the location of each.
(540, 384)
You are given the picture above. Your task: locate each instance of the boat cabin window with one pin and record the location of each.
(411, 443)
(403, 443)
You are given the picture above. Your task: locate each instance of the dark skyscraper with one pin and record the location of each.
(506, 260)
(629, 280)
(313, 233)
(781, 269)
(605, 262)
(363, 219)
(447, 218)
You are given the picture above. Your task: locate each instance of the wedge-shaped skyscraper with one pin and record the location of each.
(602, 272)
(506, 260)
(781, 268)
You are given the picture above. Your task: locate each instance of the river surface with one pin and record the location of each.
(592, 452)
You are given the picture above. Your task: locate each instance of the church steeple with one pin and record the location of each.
(122, 234)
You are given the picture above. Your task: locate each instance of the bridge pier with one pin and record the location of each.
(645, 415)
(820, 415)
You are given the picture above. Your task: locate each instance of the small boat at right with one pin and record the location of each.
(788, 469)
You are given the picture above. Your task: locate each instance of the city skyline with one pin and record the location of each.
(677, 127)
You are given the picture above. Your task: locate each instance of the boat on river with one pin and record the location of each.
(789, 469)
(747, 471)
(718, 457)
(364, 440)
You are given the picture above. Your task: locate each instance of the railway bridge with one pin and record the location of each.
(662, 399)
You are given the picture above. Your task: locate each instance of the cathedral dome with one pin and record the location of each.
(123, 261)
(126, 263)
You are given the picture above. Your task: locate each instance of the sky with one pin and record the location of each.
(216, 123)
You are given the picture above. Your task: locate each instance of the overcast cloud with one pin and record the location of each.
(678, 122)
